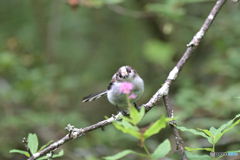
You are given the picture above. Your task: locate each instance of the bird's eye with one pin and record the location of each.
(120, 75)
(128, 70)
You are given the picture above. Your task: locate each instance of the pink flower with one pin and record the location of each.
(126, 87)
(132, 96)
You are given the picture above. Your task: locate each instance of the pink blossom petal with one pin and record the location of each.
(125, 87)
(132, 96)
(126, 92)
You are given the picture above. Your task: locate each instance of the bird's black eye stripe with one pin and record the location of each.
(120, 75)
(128, 70)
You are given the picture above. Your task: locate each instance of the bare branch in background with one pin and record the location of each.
(163, 91)
(126, 12)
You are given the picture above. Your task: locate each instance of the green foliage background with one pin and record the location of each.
(52, 55)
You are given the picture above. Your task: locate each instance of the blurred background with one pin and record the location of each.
(55, 52)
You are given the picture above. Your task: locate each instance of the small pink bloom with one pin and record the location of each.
(132, 96)
(126, 87)
(126, 91)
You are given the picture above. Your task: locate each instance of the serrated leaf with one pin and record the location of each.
(155, 127)
(127, 130)
(123, 154)
(61, 153)
(162, 150)
(192, 131)
(32, 142)
(45, 145)
(134, 115)
(20, 151)
(197, 157)
(196, 149)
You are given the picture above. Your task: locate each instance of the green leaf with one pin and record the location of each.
(45, 145)
(126, 124)
(233, 151)
(33, 142)
(141, 114)
(162, 150)
(122, 154)
(193, 131)
(127, 119)
(197, 157)
(206, 131)
(210, 138)
(134, 115)
(213, 131)
(219, 133)
(237, 122)
(127, 130)
(196, 149)
(218, 137)
(219, 130)
(61, 153)
(155, 127)
(20, 151)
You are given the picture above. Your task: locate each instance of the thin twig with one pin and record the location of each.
(178, 139)
(126, 12)
(25, 143)
(156, 97)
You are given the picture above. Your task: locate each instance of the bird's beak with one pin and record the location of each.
(124, 73)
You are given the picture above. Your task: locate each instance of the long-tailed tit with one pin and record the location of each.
(124, 74)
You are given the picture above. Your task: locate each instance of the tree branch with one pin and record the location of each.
(126, 12)
(178, 139)
(163, 91)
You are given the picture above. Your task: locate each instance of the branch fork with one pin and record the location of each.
(162, 92)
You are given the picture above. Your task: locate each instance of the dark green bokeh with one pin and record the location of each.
(52, 55)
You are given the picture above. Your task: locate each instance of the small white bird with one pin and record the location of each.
(124, 74)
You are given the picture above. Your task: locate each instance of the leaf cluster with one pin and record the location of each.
(129, 125)
(32, 143)
(213, 136)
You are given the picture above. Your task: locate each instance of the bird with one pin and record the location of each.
(124, 74)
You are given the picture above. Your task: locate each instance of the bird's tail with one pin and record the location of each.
(92, 97)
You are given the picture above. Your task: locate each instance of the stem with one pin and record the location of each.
(147, 151)
(214, 149)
